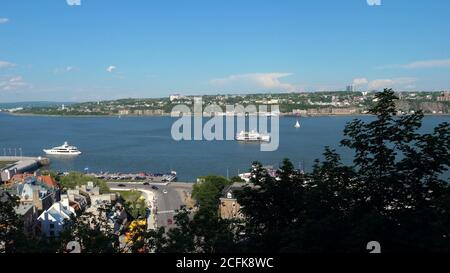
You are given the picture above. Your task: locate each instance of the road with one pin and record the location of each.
(166, 203)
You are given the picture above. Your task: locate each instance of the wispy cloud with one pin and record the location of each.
(66, 69)
(4, 20)
(360, 81)
(5, 64)
(403, 83)
(442, 63)
(261, 80)
(428, 64)
(110, 68)
(12, 83)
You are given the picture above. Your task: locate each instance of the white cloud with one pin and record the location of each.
(428, 64)
(360, 81)
(442, 63)
(12, 83)
(67, 69)
(5, 64)
(110, 68)
(4, 20)
(261, 80)
(73, 2)
(402, 83)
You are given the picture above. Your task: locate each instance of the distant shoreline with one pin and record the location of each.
(168, 115)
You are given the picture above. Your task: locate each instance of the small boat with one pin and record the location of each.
(64, 149)
(252, 136)
(297, 124)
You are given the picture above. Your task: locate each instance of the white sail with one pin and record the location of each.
(297, 124)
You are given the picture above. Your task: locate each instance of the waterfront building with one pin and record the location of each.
(445, 96)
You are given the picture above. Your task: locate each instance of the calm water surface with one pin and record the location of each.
(133, 144)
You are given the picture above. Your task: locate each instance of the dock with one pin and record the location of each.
(20, 164)
(142, 176)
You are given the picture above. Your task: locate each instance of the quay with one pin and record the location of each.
(142, 176)
(11, 165)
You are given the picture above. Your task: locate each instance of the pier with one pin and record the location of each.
(11, 165)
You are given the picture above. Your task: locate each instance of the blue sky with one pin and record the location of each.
(101, 49)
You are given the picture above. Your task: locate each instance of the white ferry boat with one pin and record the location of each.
(252, 136)
(64, 149)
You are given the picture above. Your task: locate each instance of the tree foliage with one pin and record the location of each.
(207, 192)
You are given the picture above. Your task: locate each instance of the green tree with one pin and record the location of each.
(208, 191)
(12, 236)
(273, 209)
(194, 233)
(93, 232)
(137, 208)
(74, 179)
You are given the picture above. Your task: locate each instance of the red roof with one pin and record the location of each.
(49, 181)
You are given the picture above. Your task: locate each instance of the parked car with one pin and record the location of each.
(121, 185)
(155, 187)
(146, 184)
(169, 221)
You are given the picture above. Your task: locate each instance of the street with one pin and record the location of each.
(166, 203)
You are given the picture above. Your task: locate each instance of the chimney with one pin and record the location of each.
(65, 202)
(36, 199)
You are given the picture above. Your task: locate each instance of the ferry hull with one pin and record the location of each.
(50, 152)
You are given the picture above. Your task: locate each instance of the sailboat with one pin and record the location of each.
(297, 124)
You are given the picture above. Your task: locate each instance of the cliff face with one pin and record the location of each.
(426, 107)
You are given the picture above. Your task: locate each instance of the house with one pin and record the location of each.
(77, 202)
(49, 181)
(29, 213)
(102, 199)
(93, 193)
(56, 218)
(75, 197)
(175, 97)
(445, 96)
(229, 207)
(33, 191)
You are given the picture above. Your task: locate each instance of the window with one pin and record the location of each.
(52, 226)
(52, 233)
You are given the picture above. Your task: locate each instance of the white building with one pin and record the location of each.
(55, 218)
(175, 97)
